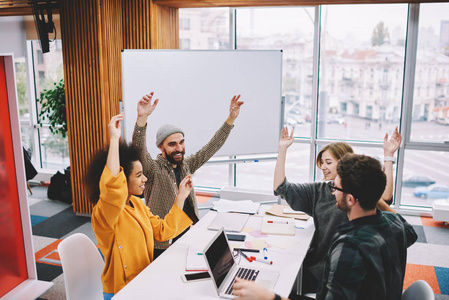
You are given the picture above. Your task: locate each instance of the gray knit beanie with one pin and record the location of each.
(165, 131)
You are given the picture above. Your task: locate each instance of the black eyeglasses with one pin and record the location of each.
(333, 188)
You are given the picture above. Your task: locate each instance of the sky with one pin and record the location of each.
(360, 20)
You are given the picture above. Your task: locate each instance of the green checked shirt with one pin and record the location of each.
(161, 188)
(367, 259)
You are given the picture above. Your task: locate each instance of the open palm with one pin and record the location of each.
(391, 145)
(145, 107)
(286, 139)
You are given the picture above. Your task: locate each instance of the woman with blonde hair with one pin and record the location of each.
(316, 199)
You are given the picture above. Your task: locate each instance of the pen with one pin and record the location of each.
(277, 222)
(265, 251)
(268, 262)
(247, 250)
(247, 258)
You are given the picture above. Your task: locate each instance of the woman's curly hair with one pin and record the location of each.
(128, 153)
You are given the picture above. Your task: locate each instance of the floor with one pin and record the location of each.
(52, 221)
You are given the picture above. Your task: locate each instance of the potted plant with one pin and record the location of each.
(53, 110)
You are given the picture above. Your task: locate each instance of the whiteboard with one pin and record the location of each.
(195, 89)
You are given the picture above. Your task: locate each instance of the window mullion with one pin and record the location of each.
(31, 94)
(407, 98)
(315, 85)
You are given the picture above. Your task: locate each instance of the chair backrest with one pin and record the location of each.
(418, 290)
(82, 266)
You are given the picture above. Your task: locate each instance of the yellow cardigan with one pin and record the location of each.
(126, 234)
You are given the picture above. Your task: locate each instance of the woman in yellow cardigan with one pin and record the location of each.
(124, 226)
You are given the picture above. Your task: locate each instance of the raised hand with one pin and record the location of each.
(185, 187)
(234, 109)
(145, 107)
(391, 145)
(115, 126)
(115, 131)
(286, 140)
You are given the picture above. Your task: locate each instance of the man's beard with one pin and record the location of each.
(342, 205)
(171, 159)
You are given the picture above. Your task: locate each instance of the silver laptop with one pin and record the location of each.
(223, 268)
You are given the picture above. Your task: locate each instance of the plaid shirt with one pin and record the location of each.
(367, 259)
(161, 188)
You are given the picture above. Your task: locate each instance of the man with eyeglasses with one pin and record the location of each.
(368, 254)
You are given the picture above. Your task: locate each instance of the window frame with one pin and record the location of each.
(405, 116)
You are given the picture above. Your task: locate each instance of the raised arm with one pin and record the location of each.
(234, 109)
(279, 171)
(391, 145)
(145, 108)
(113, 159)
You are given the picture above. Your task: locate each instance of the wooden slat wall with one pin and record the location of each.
(165, 27)
(149, 26)
(91, 33)
(136, 24)
(94, 33)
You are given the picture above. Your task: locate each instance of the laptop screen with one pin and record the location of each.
(220, 258)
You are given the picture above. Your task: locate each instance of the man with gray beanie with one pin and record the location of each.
(168, 169)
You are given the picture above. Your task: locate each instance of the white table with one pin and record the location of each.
(162, 278)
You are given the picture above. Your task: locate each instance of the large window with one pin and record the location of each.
(425, 159)
(362, 52)
(48, 70)
(430, 118)
(350, 73)
(290, 30)
(35, 73)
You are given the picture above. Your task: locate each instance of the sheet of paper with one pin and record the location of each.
(282, 242)
(282, 226)
(241, 206)
(278, 210)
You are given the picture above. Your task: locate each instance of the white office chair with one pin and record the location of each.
(418, 290)
(82, 266)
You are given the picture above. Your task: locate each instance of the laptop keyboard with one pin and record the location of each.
(244, 273)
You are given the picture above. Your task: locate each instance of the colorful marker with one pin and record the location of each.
(265, 253)
(277, 222)
(269, 262)
(247, 258)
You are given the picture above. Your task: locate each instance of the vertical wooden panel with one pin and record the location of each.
(164, 27)
(94, 33)
(92, 40)
(136, 24)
